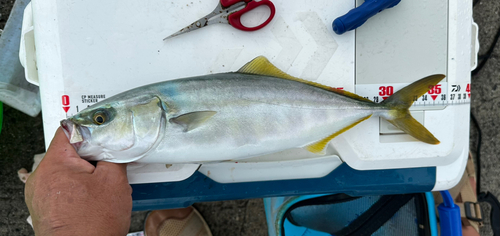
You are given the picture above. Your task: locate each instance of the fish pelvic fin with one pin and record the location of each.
(319, 147)
(261, 66)
(400, 116)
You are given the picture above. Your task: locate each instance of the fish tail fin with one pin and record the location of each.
(400, 116)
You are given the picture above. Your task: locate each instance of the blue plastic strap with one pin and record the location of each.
(432, 213)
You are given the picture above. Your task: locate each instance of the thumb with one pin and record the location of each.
(60, 147)
(61, 154)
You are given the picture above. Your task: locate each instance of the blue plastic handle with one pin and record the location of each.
(449, 216)
(358, 16)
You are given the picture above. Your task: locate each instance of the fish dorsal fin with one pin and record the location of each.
(262, 66)
(319, 147)
(193, 120)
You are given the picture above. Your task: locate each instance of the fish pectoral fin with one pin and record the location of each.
(319, 147)
(193, 120)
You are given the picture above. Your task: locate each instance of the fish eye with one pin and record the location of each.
(99, 117)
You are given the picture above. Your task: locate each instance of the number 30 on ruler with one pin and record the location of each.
(434, 91)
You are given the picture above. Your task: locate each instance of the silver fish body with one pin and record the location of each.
(216, 117)
(255, 115)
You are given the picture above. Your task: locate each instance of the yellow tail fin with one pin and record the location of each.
(399, 103)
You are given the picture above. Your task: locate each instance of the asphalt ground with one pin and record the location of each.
(22, 137)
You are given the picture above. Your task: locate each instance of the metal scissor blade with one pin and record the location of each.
(194, 26)
(182, 31)
(211, 18)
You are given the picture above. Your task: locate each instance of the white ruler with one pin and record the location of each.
(441, 95)
(438, 97)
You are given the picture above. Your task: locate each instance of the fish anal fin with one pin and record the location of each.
(261, 66)
(319, 147)
(193, 120)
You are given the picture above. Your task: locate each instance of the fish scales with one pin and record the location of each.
(255, 111)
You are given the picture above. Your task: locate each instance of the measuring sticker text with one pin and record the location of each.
(92, 98)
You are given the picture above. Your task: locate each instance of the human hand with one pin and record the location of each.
(67, 195)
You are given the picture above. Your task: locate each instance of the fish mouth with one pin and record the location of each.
(74, 132)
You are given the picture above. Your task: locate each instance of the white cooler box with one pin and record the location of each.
(80, 52)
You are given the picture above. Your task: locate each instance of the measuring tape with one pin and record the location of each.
(439, 96)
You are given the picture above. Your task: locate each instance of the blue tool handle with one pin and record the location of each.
(450, 221)
(358, 16)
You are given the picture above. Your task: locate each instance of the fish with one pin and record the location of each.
(255, 111)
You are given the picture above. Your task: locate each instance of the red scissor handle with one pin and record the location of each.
(235, 18)
(228, 3)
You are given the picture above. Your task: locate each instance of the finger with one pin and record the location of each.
(114, 174)
(119, 169)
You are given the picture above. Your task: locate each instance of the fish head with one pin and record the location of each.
(116, 131)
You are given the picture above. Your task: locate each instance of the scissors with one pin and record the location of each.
(229, 12)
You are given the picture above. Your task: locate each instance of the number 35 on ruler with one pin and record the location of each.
(434, 91)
